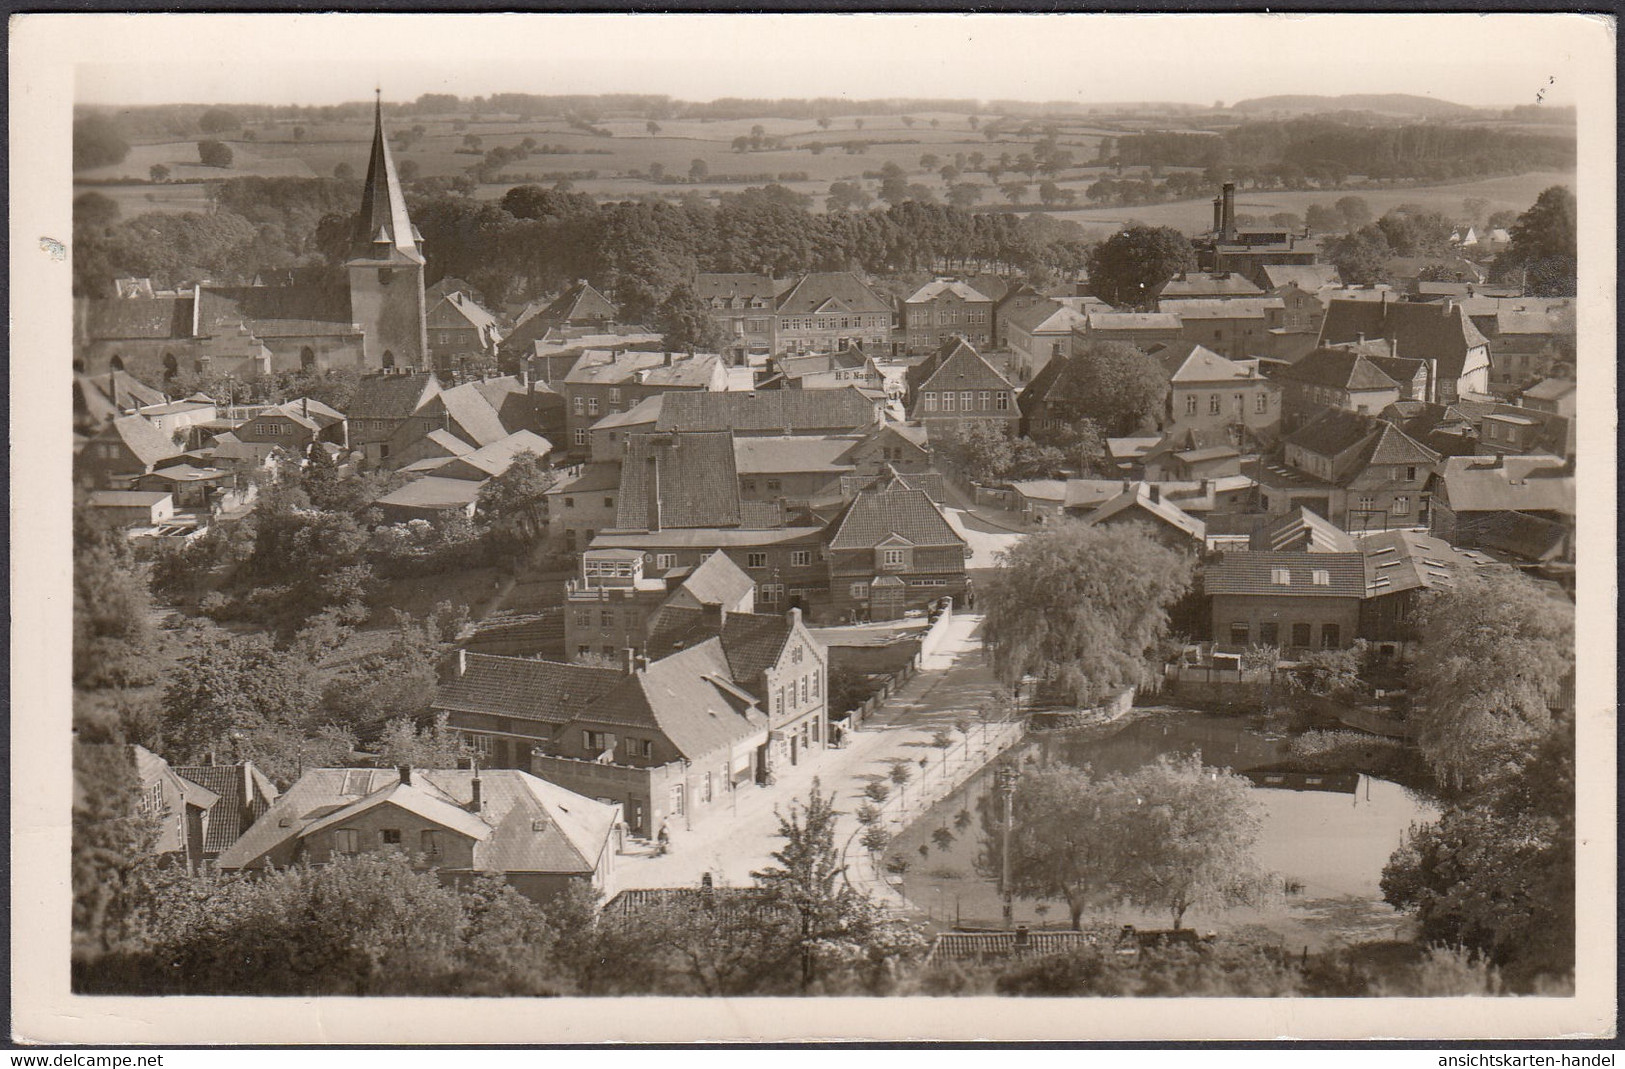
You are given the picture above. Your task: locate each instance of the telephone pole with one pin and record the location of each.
(1007, 788)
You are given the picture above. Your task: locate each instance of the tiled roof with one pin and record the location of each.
(956, 365)
(117, 390)
(1028, 310)
(677, 627)
(392, 396)
(1038, 389)
(709, 285)
(769, 411)
(971, 946)
(929, 481)
(1441, 332)
(496, 458)
(845, 290)
(1510, 484)
(1303, 530)
(460, 308)
(1337, 368)
(698, 484)
(1133, 321)
(1528, 537)
(244, 793)
(579, 302)
(1186, 361)
(452, 445)
(1228, 284)
(717, 580)
(476, 420)
(876, 515)
(546, 691)
(1309, 277)
(1255, 573)
(707, 538)
(602, 367)
(147, 442)
(276, 311)
(1228, 308)
(794, 367)
(645, 412)
(525, 824)
(753, 642)
(119, 318)
(312, 409)
(934, 289)
(688, 697)
(1335, 432)
(1139, 500)
(1405, 560)
(773, 454)
(603, 475)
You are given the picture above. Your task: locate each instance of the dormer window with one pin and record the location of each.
(1281, 576)
(1321, 577)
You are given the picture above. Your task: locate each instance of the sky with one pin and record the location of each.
(1490, 60)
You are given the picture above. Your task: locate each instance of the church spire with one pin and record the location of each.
(383, 229)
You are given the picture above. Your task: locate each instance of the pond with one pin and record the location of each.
(1327, 848)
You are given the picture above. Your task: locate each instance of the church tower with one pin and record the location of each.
(386, 267)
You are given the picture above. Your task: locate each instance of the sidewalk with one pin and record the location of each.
(737, 838)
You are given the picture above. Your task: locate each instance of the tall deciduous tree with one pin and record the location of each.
(685, 323)
(1127, 267)
(1066, 840)
(1113, 385)
(1495, 653)
(516, 500)
(1544, 244)
(1082, 607)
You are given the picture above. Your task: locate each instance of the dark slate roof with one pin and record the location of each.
(117, 318)
(677, 627)
(1405, 560)
(768, 411)
(1419, 330)
(1528, 537)
(1253, 573)
(813, 292)
(245, 795)
(710, 285)
(956, 365)
(392, 396)
(276, 311)
(688, 697)
(753, 642)
(698, 483)
(1337, 368)
(1038, 389)
(579, 302)
(876, 515)
(1511, 484)
(147, 442)
(1335, 432)
(545, 691)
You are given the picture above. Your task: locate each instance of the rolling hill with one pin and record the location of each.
(1403, 104)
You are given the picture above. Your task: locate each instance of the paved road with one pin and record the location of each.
(735, 839)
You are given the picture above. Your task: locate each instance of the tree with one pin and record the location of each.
(965, 194)
(1127, 267)
(1323, 219)
(1544, 244)
(823, 122)
(1190, 833)
(845, 196)
(1355, 211)
(901, 772)
(214, 153)
(1495, 652)
(111, 842)
(515, 501)
(698, 169)
(651, 128)
(158, 173)
(685, 323)
(1111, 384)
(97, 142)
(343, 171)
(1361, 256)
(218, 121)
(836, 928)
(1082, 607)
(434, 745)
(1014, 192)
(981, 449)
(298, 133)
(114, 641)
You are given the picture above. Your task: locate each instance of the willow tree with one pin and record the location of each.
(1082, 607)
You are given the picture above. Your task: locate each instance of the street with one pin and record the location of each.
(731, 843)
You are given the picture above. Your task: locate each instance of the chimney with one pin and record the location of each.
(1204, 486)
(1496, 460)
(666, 360)
(1218, 215)
(476, 800)
(1021, 935)
(794, 616)
(1156, 493)
(304, 407)
(1127, 486)
(406, 774)
(1229, 195)
(629, 660)
(462, 663)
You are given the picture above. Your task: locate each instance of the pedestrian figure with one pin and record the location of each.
(662, 841)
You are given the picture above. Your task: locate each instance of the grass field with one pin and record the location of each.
(622, 162)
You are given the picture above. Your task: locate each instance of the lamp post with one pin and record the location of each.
(1007, 787)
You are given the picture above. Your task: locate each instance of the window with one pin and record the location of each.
(569, 502)
(347, 841)
(1269, 634)
(583, 651)
(778, 702)
(756, 560)
(640, 748)
(892, 558)
(1190, 405)
(152, 799)
(677, 798)
(982, 399)
(967, 400)
(1402, 504)
(1213, 404)
(1241, 403)
(770, 593)
(480, 744)
(614, 395)
(595, 742)
(1261, 403)
(581, 436)
(579, 405)
(792, 689)
(800, 558)
(774, 486)
(1367, 502)
(391, 836)
(948, 401)
(1240, 634)
(1002, 401)
(1320, 577)
(1281, 576)
(707, 794)
(815, 690)
(747, 486)
(1302, 634)
(429, 842)
(1330, 636)
(805, 689)
(592, 406)
(858, 591)
(665, 560)
(1410, 474)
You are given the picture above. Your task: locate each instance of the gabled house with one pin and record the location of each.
(1401, 566)
(790, 470)
(1185, 287)
(1292, 600)
(1360, 472)
(1489, 501)
(846, 410)
(891, 550)
(1302, 531)
(828, 311)
(603, 383)
(244, 793)
(384, 411)
(491, 461)
(944, 308)
(1237, 327)
(582, 504)
(823, 371)
(459, 823)
(1333, 378)
(1440, 335)
(682, 479)
(1143, 330)
(459, 328)
(182, 809)
(1207, 392)
(100, 399)
(1143, 503)
(955, 386)
(743, 308)
(123, 451)
(1038, 332)
(891, 446)
(1190, 455)
(295, 425)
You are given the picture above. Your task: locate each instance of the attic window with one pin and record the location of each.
(1281, 576)
(1321, 577)
(357, 782)
(539, 824)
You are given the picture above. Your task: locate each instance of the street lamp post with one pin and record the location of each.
(1007, 788)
